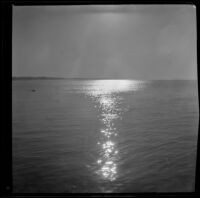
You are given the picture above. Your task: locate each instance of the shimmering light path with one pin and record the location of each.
(109, 153)
(108, 101)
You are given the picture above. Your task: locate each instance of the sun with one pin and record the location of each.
(111, 19)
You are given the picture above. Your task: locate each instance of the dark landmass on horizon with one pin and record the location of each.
(103, 78)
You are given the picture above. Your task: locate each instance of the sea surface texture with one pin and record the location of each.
(104, 136)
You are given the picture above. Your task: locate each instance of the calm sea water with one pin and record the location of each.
(104, 136)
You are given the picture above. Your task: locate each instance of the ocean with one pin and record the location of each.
(104, 136)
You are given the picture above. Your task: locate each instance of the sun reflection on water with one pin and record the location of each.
(99, 87)
(108, 101)
(107, 161)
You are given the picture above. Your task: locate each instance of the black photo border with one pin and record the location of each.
(6, 97)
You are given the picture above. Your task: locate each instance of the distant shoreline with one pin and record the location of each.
(62, 78)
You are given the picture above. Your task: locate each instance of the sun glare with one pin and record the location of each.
(105, 94)
(100, 87)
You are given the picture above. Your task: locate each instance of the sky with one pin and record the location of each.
(105, 41)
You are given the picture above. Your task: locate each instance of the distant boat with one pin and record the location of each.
(33, 90)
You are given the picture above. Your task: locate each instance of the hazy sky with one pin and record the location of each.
(105, 41)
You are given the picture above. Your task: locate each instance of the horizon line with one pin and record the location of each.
(53, 77)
